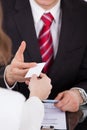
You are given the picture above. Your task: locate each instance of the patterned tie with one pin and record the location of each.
(45, 41)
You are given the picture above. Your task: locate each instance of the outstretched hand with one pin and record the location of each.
(16, 71)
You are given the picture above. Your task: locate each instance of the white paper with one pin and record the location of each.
(35, 70)
(54, 117)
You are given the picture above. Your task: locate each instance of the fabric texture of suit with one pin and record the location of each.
(70, 65)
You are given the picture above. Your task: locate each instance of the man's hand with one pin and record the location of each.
(69, 100)
(16, 71)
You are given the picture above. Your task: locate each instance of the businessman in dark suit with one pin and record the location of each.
(68, 71)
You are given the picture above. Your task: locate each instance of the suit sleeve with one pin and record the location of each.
(82, 74)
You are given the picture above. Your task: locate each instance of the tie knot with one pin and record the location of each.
(47, 18)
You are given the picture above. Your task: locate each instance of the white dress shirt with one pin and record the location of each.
(37, 12)
(18, 114)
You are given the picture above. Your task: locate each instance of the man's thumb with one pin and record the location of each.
(21, 49)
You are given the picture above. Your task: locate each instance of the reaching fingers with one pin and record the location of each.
(45, 77)
(23, 65)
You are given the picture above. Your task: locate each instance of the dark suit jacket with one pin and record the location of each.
(70, 65)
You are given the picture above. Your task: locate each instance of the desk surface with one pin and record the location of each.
(76, 120)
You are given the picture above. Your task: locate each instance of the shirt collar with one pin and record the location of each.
(55, 11)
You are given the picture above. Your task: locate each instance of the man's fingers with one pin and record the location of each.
(60, 96)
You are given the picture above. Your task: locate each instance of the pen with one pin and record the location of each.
(50, 101)
(49, 127)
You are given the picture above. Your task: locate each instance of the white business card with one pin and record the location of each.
(35, 70)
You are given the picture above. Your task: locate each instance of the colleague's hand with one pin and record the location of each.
(16, 71)
(69, 100)
(40, 87)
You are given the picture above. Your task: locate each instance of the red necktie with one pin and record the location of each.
(45, 41)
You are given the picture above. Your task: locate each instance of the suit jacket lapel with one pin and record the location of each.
(65, 40)
(25, 25)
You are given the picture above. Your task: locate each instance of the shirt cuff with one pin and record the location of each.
(83, 94)
(35, 99)
(9, 87)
